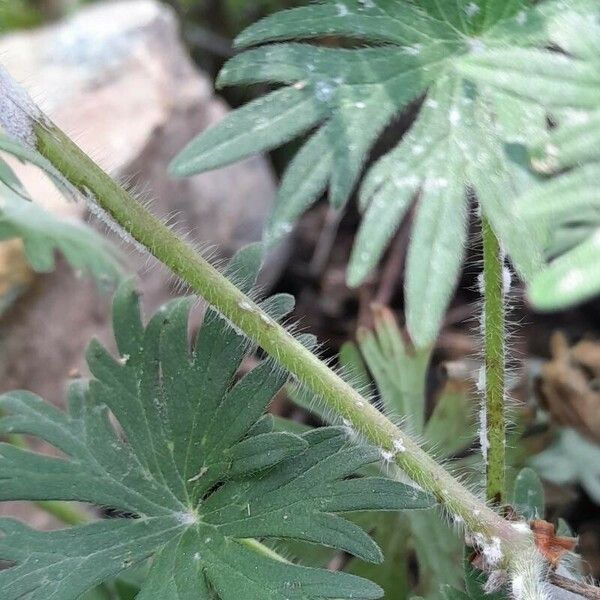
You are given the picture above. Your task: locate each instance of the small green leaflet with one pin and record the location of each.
(528, 495)
(198, 467)
(567, 205)
(343, 98)
(43, 233)
(398, 369)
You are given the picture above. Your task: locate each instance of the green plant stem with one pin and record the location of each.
(247, 316)
(494, 354)
(64, 512)
(335, 394)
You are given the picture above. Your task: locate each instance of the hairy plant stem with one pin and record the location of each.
(247, 316)
(64, 512)
(494, 353)
(335, 394)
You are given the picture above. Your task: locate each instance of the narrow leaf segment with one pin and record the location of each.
(340, 99)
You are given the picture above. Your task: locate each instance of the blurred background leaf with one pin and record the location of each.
(29, 232)
(571, 459)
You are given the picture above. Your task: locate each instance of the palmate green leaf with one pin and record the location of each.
(196, 466)
(42, 233)
(401, 51)
(567, 85)
(528, 495)
(454, 123)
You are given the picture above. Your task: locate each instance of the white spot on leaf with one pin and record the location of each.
(571, 281)
(471, 9)
(341, 9)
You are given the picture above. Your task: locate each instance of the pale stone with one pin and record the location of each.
(117, 78)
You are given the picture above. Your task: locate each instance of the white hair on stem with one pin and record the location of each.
(527, 574)
(18, 113)
(111, 224)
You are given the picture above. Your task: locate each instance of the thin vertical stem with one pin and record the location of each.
(494, 352)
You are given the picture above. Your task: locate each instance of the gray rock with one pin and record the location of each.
(117, 78)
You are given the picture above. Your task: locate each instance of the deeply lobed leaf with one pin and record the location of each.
(567, 85)
(193, 463)
(345, 97)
